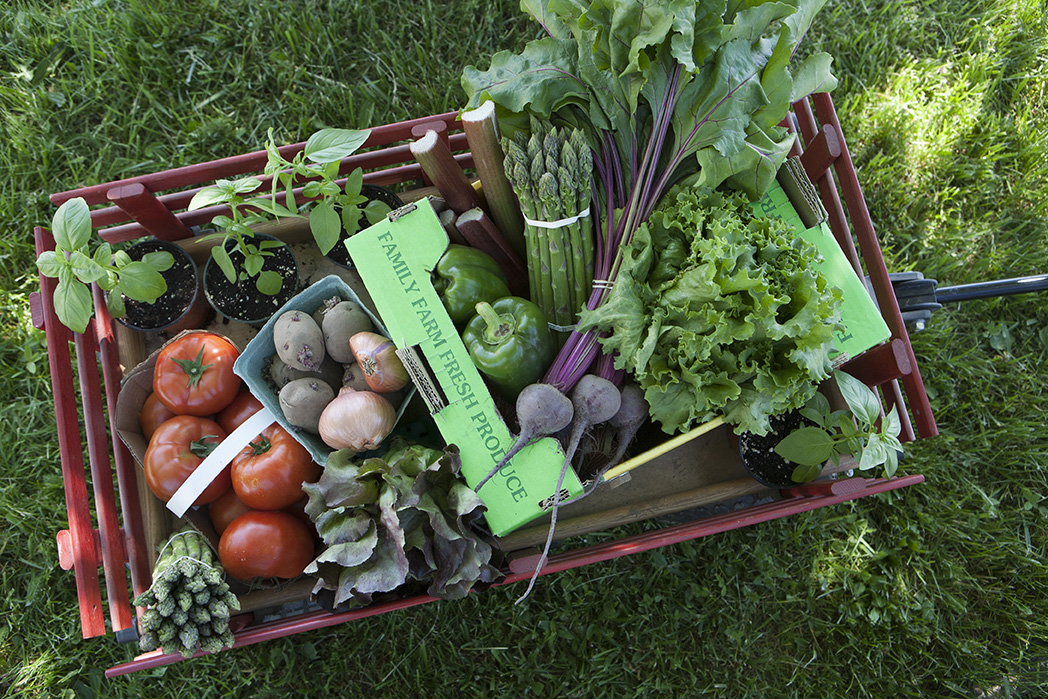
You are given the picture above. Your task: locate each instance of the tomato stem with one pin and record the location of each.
(261, 447)
(194, 368)
(201, 448)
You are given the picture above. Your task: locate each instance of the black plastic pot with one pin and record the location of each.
(241, 300)
(338, 254)
(182, 306)
(758, 451)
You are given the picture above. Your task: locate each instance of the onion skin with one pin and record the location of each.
(378, 361)
(356, 420)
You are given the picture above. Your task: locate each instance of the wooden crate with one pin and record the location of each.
(695, 472)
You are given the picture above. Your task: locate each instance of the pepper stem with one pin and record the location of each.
(499, 327)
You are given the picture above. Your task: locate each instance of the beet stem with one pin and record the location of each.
(522, 441)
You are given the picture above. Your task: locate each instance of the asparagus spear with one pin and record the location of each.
(569, 164)
(559, 281)
(584, 195)
(545, 299)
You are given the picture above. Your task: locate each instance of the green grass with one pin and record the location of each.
(936, 591)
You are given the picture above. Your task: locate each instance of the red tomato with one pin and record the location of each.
(265, 545)
(194, 374)
(268, 473)
(224, 510)
(176, 449)
(233, 415)
(154, 413)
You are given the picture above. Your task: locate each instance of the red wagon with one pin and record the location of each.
(122, 537)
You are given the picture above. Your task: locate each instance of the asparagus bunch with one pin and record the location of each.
(550, 172)
(189, 603)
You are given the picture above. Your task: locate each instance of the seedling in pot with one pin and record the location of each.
(337, 207)
(76, 267)
(244, 213)
(852, 432)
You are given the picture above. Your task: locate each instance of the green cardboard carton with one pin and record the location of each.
(395, 258)
(861, 321)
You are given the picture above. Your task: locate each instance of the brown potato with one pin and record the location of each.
(303, 400)
(340, 323)
(299, 341)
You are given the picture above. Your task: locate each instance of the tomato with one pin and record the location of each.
(153, 414)
(194, 374)
(224, 510)
(176, 449)
(269, 472)
(265, 545)
(233, 415)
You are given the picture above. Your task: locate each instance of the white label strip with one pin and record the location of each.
(559, 223)
(210, 467)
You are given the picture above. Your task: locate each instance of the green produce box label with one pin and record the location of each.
(861, 321)
(394, 259)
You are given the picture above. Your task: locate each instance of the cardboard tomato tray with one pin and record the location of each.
(672, 474)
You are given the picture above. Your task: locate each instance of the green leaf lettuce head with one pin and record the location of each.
(718, 312)
(404, 518)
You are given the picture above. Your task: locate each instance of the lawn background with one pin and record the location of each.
(940, 590)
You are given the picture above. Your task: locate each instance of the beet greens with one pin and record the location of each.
(664, 92)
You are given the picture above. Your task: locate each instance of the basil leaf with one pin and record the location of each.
(354, 182)
(209, 196)
(269, 282)
(141, 282)
(121, 259)
(246, 185)
(376, 211)
(329, 145)
(115, 304)
(808, 446)
(325, 224)
(71, 225)
(73, 304)
(85, 268)
(253, 264)
(806, 474)
(875, 453)
(49, 263)
(221, 258)
(104, 254)
(860, 398)
(160, 260)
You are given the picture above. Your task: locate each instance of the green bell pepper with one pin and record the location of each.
(510, 343)
(464, 277)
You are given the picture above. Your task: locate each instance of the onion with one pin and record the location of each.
(356, 420)
(377, 358)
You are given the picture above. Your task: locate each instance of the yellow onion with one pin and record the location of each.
(356, 420)
(378, 361)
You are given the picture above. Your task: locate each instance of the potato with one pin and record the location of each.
(318, 315)
(299, 341)
(280, 374)
(303, 400)
(353, 377)
(342, 322)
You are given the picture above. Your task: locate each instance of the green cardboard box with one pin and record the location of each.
(395, 258)
(862, 324)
